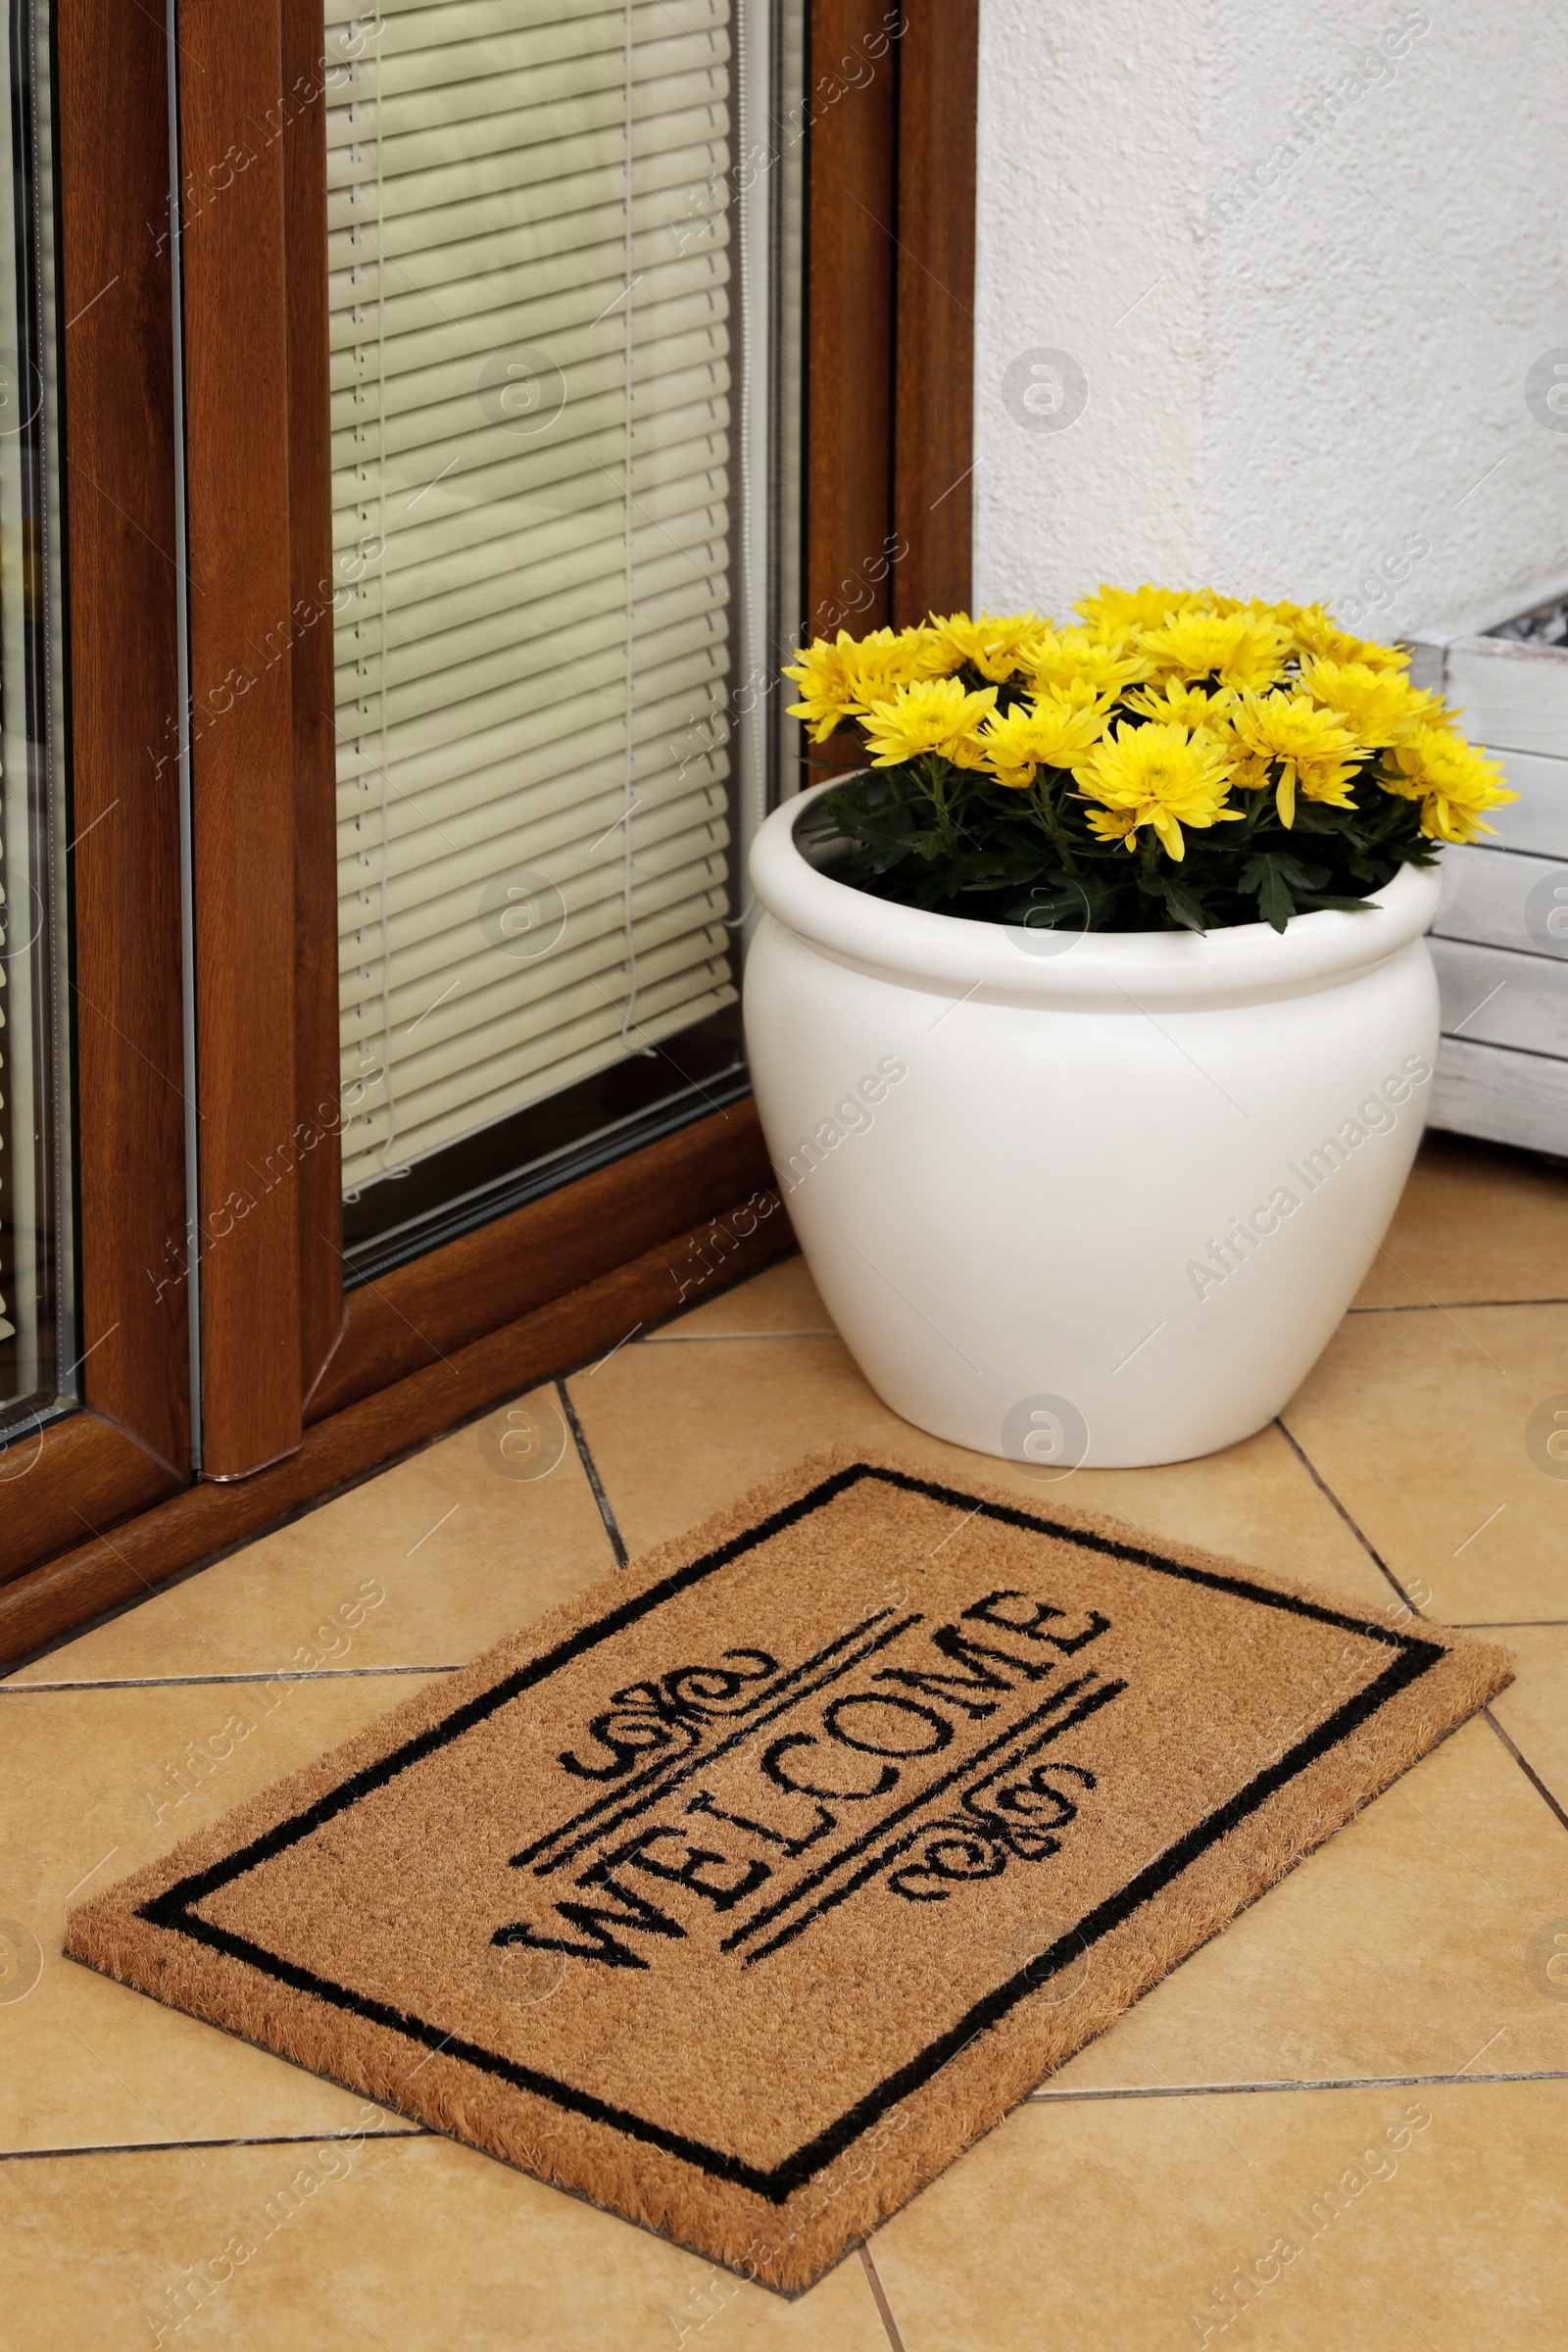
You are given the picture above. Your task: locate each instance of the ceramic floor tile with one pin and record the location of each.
(97, 1782)
(1534, 1709)
(1422, 1425)
(783, 1297)
(1409, 1944)
(418, 2244)
(678, 1431)
(468, 1539)
(1477, 1222)
(1364, 2221)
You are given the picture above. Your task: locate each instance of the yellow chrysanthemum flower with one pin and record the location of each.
(839, 682)
(1453, 781)
(997, 645)
(921, 652)
(892, 658)
(1319, 637)
(1286, 741)
(1065, 657)
(1051, 732)
(1380, 707)
(827, 696)
(1240, 648)
(1158, 775)
(1079, 694)
(1189, 705)
(932, 715)
(1113, 612)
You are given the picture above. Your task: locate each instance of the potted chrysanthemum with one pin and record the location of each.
(1091, 1019)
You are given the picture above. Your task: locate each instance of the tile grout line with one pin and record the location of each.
(590, 1468)
(12, 1688)
(1225, 2091)
(1324, 1488)
(1497, 1625)
(262, 2139)
(709, 1338)
(880, 2297)
(1439, 1306)
(1527, 1768)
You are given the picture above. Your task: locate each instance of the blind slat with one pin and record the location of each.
(693, 314)
(534, 323)
(487, 463)
(690, 612)
(671, 180)
(455, 551)
(551, 775)
(690, 216)
(602, 1051)
(425, 755)
(553, 833)
(422, 24)
(425, 94)
(597, 137)
(595, 908)
(404, 914)
(577, 293)
(513, 609)
(413, 45)
(449, 404)
(515, 1044)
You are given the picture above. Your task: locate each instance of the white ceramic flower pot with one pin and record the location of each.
(1099, 1198)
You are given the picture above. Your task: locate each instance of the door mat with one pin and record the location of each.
(744, 1891)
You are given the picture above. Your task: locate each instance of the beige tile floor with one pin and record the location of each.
(1386, 2020)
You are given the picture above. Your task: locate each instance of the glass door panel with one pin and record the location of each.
(36, 1351)
(564, 286)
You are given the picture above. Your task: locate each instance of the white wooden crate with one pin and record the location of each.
(1500, 943)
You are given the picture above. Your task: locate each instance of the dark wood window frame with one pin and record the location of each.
(129, 1444)
(306, 1387)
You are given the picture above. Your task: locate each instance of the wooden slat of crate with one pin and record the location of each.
(1504, 1096)
(1502, 900)
(1514, 696)
(1537, 822)
(1496, 996)
(1500, 942)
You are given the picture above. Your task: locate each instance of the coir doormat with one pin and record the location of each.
(741, 1893)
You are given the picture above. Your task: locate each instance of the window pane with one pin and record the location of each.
(34, 1210)
(564, 279)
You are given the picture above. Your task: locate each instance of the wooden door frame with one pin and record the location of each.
(890, 326)
(304, 1387)
(130, 1441)
(252, 87)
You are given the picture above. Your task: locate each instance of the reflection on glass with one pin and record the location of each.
(34, 1229)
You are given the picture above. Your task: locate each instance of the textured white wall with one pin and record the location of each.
(1304, 254)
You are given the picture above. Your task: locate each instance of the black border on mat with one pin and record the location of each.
(172, 1910)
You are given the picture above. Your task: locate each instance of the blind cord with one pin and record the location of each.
(749, 634)
(628, 347)
(390, 1137)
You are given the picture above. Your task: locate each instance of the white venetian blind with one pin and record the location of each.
(531, 321)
